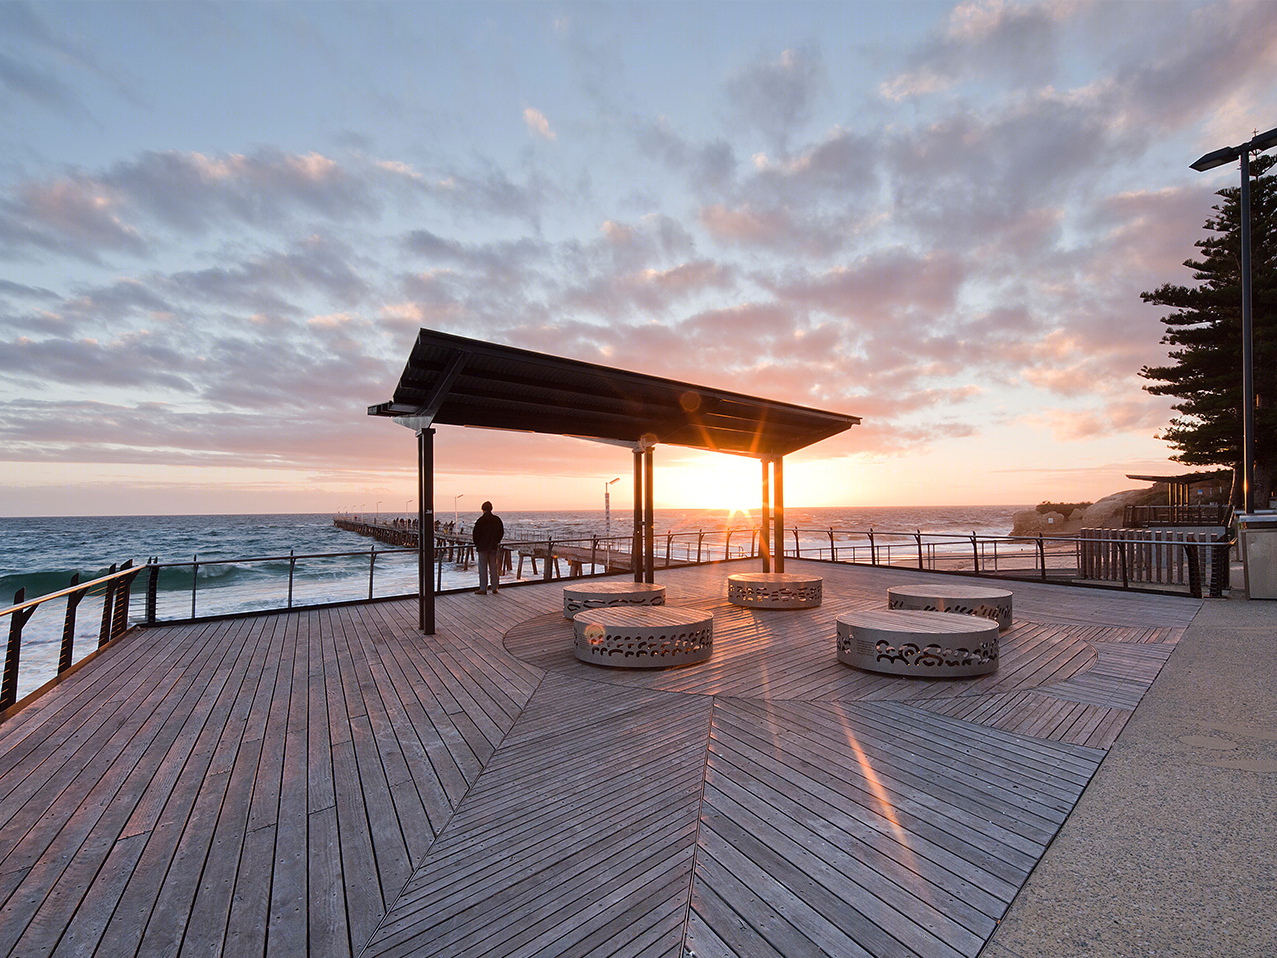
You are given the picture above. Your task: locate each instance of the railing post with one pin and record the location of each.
(1194, 569)
(873, 550)
(123, 591)
(917, 534)
(1042, 555)
(797, 552)
(669, 537)
(727, 545)
(292, 564)
(594, 548)
(1121, 551)
(1219, 570)
(195, 578)
(833, 552)
(152, 589)
(975, 552)
(547, 570)
(9, 686)
(700, 537)
(104, 633)
(68, 626)
(372, 562)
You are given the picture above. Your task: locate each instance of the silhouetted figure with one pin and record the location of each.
(487, 534)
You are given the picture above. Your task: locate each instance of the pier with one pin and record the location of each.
(553, 556)
(335, 779)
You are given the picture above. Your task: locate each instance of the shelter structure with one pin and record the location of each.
(455, 381)
(1180, 508)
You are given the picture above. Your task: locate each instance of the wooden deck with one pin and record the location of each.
(335, 783)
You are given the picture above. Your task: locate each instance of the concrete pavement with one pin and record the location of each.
(1170, 851)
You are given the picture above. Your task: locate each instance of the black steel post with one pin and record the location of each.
(68, 626)
(1248, 349)
(426, 530)
(764, 540)
(636, 547)
(649, 518)
(778, 476)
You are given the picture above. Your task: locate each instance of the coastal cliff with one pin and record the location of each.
(1104, 514)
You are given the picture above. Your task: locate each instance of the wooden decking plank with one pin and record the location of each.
(278, 776)
(95, 822)
(567, 807)
(567, 898)
(1009, 816)
(36, 782)
(875, 819)
(809, 889)
(753, 918)
(173, 855)
(899, 899)
(529, 835)
(210, 779)
(38, 730)
(837, 831)
(289, 886)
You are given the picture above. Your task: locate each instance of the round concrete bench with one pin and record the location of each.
(930, 645)
(953, 597)
(643, 637)
(774, 590)
(597, 595)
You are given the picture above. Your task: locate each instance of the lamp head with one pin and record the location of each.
(1216, 158)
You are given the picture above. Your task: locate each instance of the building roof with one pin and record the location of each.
(454, 381)
(1186, 478)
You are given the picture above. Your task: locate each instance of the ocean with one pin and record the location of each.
(41, 554)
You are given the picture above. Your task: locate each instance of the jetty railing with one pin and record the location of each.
(115, 588)
(184, 591)
(1162, 560)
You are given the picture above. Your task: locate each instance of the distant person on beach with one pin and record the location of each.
(487, 534)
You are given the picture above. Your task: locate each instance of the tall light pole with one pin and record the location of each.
(607, 521)
(454, 509)
(1258, 144)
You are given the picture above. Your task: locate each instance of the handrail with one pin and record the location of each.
(115, 616)
(993, 556)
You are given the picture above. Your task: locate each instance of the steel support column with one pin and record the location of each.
(636, 549)
(778, 483)
(426, 530)
(649, 518)
(764, 534)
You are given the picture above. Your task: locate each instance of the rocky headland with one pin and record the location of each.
(1104, 514)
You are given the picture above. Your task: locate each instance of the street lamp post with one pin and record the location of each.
(607, 522)
(1258, 144)
(454, 509)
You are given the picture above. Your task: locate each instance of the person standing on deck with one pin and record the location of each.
(487, 534)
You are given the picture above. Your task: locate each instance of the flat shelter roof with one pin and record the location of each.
(454, 381)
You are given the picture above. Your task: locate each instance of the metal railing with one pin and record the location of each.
(1054, 559)
(114, 587)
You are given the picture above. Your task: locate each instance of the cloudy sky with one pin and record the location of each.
(222, 224)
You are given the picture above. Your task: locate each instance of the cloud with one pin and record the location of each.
(538, 124)
(776, 97)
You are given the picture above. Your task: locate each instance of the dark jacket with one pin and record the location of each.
(488, 532)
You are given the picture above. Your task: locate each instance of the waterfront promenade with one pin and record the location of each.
(333, 782)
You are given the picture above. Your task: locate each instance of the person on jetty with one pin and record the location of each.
(487, 534)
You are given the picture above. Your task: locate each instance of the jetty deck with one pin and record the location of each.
(333, 782)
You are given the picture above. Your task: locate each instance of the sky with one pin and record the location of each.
(221, 226)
